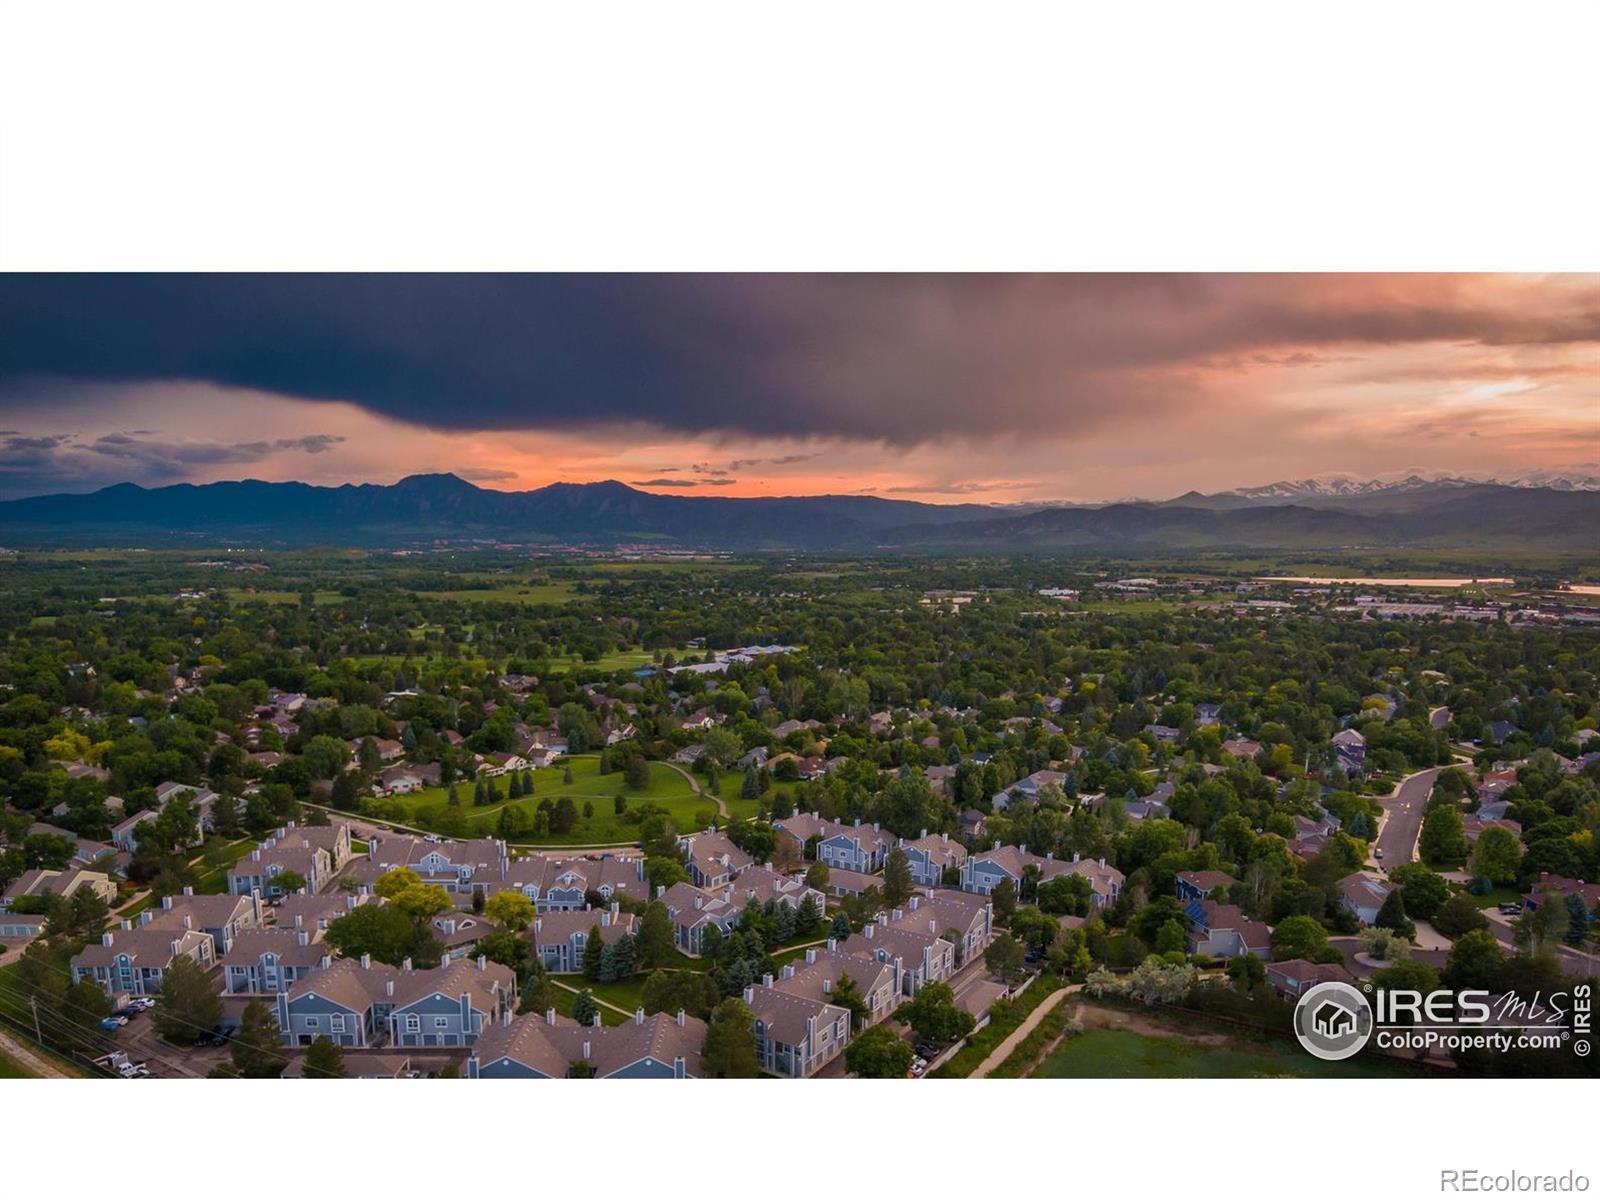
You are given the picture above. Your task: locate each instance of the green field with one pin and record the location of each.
(10, 1068)
(668, 789)
(510, 593)
(1124, 1054)
(616, 660)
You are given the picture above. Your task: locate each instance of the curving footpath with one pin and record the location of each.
(1004, 1049)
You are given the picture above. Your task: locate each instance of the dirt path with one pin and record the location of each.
(26, 1057)
(694, 786)
(1004, 1049)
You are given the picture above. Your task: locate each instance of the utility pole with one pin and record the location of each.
(33, 1003)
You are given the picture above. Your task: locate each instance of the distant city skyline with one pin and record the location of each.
(1002, 389)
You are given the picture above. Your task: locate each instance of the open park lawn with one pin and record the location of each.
(1130, 1054)
(668, 789)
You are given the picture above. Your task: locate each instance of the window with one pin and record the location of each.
(441, 1022)
(413, 1023)
(336, 1023)
(313, 1022)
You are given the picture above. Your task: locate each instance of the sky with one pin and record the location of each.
(987, 388)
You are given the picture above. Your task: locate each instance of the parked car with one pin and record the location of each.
(133, 1070)
(113, 1022)
(1510, 909)
(211, 1039)
(1378, 853)
(142, 1003)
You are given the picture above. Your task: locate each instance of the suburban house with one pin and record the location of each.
(458, 867)
(1223, 931)
(982, 872)
(267, 961)
(553, 1047)
(224, 917)
(855, 847)
(1295, 975)
(913, 946)
(818, 976)
(134, 960)
(963, 918)
(556, 884)
(21, 926)
(347, 1004)
(694, 910)
(560, 937)
(1351, 749)
(795, 1036)
(711, 858)
(402, 780)
(1199, 885)
(1560, 885)
(1363, 894)
(931, 856)
(39, 880)
(852, 883)
(452, 1005)
(1242, 747)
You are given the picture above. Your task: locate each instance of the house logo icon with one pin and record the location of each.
(1333, 1021)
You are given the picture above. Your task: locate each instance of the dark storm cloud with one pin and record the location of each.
(899, 359)
(64, 459)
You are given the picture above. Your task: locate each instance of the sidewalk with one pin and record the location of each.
(1004, 1049)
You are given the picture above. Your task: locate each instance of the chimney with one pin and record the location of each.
(144, 919)
(405, 965)
(924, 834)
(661, 890)
(1049, 856)
(585, 1049)
(444, 961)
(867, 930)
(996, 845)
(827, 987)
(507, 1015)
(638, 1016)
(680, 1018)
(366, 962)
(1022, 849)
(299, 920)
(483, 962)
(388, 987)
(933, 926)
(833, 943)
(899, 914)
(324, 962)
(188, 921)
(1102, 862)
(303, 938)
(1074, 856)
(595, 1021)
(766, 981)
(105, 939)
(166, 904)
(811, 956)
(188, 889)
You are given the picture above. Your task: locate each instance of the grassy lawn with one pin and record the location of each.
(1124, 1054)
(1499, 895)
(564, 1000)
(214, 880)
(616, 660)
(667, 788)
(626, 994)
(244, 596)
(10, 1068)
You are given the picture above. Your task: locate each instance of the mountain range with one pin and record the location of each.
(422, 509)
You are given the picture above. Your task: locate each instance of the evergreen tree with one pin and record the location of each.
(655, 940)
(188, 1003)
(324, 1060)
(254, 1048)
(730, 1049)
(897, 881)
(839, 929)
(584, 1009)
(515, 789)
(593, 948)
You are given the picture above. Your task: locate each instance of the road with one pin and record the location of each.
(1404, 810)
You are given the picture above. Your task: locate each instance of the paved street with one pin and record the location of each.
(1398, 836)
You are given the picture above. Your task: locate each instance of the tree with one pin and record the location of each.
(385, 933)
(695, 992)
(1004, 899)
(584, 1008)
(1301, 937)
(730, 1049)
(254, 1048)
(1408, 974)
(1392, 915)
(1004, 958)
(878, 1054)
(593, 950)
(1476, 961)
(655, 940)
(1443, 841)
(1423, 891)
(1459, 915)
(509, 948)
(847, 995)
(509, 909)
(289, 882)
(1247, 972)
(897, 880)
(934, 1015)
(839, 927)
(188, 1004)
(816, 875)
(1497, 855)
(636, 774)
(324, 1060)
